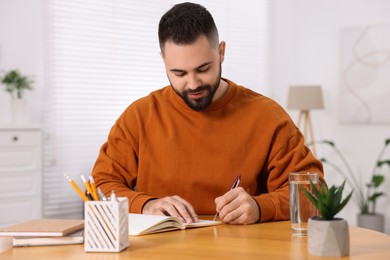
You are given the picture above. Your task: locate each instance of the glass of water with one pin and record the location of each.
(301, 209)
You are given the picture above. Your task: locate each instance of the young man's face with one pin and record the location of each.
(194, 71)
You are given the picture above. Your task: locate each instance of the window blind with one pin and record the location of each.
(103, 55)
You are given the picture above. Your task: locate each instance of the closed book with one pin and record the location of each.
(140, 224)
(43, 228)
(73, 238)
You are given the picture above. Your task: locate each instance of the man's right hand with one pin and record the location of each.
(174, 206)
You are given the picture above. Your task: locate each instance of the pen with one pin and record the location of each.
(113, 196)
(234, 185)
(89, 196)
(101, 194)
(76, 188)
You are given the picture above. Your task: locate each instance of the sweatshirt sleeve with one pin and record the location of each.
(288, 153)
(116, 166)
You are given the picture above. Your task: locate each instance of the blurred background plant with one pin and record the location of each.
(16, 83)
(366, 194)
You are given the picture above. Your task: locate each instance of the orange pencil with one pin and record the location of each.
(76, 188)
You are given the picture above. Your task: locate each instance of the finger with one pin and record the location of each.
(155, 207)
(247, 211)
(171, 207)
(185, 209)
(227, 198)
(233, 217)
(230, 208)
(164, 206)
(178, 207)
(241, 217)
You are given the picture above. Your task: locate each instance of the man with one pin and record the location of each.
(178, 150)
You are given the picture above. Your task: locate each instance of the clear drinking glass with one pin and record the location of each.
(301, 209)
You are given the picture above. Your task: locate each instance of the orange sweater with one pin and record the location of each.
(160, 147)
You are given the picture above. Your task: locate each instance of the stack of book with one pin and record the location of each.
(44, 232)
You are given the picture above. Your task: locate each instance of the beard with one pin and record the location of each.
(204, 102)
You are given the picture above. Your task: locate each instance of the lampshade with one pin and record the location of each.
(305, 97)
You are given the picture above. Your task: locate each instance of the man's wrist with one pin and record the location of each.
(259, 208)
(146, 202)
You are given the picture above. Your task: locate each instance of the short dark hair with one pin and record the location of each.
(184, 23)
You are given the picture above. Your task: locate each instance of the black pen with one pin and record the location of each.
(234, 185)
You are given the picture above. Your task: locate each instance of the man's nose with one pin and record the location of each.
(193, 81)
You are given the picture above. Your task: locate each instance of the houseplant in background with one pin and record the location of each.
(16, 83)
(327, 235)
(366, 194)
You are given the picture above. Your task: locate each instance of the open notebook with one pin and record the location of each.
(140, 224)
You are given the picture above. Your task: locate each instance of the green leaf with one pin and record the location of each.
(329, 142)
(325, 213)
(329, 201)
(377, 180)
(338, 194)
(344, 202)
(380, 163)
(310, 197)
(376, 195)
(316, 192)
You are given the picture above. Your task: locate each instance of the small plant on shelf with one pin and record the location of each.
(16, 83)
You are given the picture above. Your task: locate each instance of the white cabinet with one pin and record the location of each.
(20, 174)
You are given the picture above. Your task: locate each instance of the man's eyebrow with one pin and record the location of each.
(197, 68)
(177, 70)
(203, 65)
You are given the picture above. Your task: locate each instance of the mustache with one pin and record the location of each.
(198, 89)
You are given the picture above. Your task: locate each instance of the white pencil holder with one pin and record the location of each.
(106, 225)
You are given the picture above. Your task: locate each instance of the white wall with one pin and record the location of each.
(21, 47)
(305, 50)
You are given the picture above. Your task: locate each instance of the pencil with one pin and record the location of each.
(95, 194)
(88, 187)
(76, 188)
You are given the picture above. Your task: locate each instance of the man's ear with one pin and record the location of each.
(221, 51)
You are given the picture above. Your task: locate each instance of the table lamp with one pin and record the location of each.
(305, 98)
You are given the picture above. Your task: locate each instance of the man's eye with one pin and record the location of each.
(203, 69)
(179, 74)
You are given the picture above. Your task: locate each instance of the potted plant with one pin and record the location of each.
(16, 83)
(327, 235)
(366, 194)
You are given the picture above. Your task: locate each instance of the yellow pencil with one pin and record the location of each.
(93, 188)
(88, 187)
(76, 188)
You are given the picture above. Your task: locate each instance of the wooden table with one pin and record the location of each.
(260, 241)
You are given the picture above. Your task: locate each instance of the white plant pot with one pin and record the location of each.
(372, 221)
(18, 109)
(328, 237)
